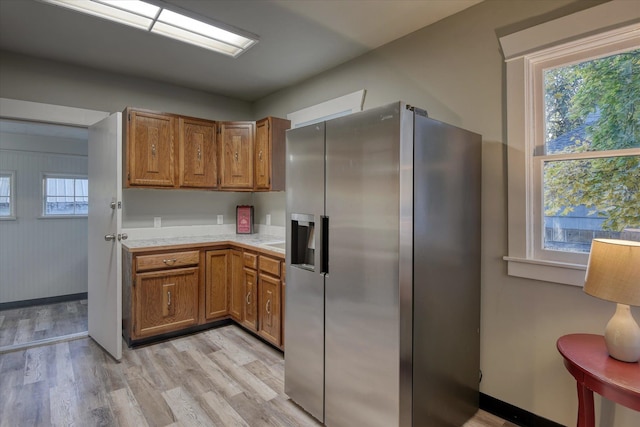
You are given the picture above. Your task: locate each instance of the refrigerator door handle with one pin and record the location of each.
(324, 253)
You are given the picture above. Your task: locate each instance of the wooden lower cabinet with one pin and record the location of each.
(165, 301)
(270, 318)
(250, 317)
(236, 285)
(172, 291)
(217, 265)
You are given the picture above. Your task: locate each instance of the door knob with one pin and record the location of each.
(123, 236)
(109, 237)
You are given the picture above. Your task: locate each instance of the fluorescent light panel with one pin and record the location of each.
(162, 21)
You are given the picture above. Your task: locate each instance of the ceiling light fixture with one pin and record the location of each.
(156, 18)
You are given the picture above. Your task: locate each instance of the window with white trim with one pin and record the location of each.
(65, 195)
(573, 129)
(7, 195)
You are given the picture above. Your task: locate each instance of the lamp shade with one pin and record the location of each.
(613, 272)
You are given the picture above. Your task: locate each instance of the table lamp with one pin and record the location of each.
(613, 274)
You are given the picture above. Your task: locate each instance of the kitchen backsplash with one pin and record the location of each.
(198, 230)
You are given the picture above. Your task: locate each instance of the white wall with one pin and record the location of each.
(31, 79)
(455, 70)
(39, 257)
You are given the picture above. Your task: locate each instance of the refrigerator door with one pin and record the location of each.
(362, 315)
(304, 320)
(447, 274)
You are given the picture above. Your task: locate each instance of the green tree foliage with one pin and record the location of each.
(608, 187)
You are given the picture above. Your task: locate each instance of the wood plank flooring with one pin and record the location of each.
(27, 324)
(220, 377)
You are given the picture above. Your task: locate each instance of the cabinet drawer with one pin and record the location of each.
(167, 260)
(250, 260)
(270, 266)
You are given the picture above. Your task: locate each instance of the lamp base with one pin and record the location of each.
(622, 335)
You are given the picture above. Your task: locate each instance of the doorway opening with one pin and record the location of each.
(43, 244)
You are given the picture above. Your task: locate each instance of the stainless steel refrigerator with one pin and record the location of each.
(383, 270)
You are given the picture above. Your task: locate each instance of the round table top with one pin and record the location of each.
(588, 353)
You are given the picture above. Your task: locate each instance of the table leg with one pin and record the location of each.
(586, 413)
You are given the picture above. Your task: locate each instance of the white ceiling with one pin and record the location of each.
(298, 39)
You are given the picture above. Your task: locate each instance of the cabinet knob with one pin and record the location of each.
(236, 156)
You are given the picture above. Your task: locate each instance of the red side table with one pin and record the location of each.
(587, 359)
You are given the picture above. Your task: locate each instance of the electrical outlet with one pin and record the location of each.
(268, 219)
(220, 220)
(157, 222)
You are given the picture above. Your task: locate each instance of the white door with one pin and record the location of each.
(105, 232)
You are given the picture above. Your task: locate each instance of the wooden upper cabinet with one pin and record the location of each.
(198, 164)
(150, 149)
(270, 154)
(236, 141)
(172, 151)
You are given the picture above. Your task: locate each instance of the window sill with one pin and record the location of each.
(7, 218)
(548, 271)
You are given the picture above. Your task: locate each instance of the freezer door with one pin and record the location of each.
(304, 319)
(362, 333)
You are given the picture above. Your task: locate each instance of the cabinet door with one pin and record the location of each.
(150, 152)
(251, 299)
(236, 286)
(236, 160)
(165, 301)
(263, 155)
(217, 280)
(269, 310)
(198, 156)
(270, 154)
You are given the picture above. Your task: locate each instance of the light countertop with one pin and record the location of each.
(257, 241)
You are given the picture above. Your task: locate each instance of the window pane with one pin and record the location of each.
(82, 206)
(5, 195)
(66, 196)
(593, 105)
(594, 198)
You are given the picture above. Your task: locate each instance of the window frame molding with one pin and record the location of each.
(572, 35)
(13, 216)
(43, 196)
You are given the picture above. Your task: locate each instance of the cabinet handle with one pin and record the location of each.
(153, 150)
(268, 306)
(169, 261)
(236, 156)
(199, 154)
(168, 298)
(249, 298)
(260, 155)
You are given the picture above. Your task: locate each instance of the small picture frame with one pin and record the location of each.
(244, 219)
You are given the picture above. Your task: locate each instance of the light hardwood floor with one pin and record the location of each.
(220, 377)
(28, 324)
